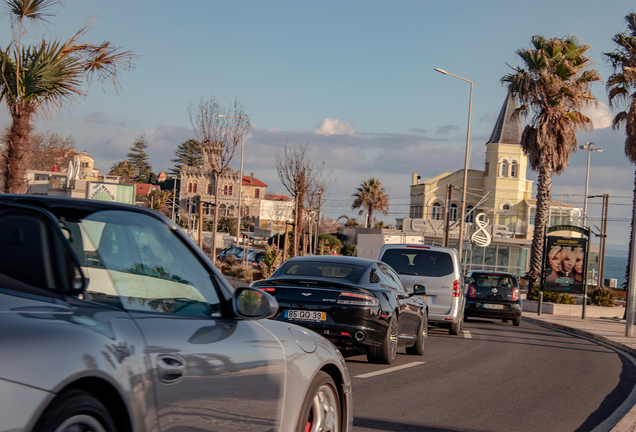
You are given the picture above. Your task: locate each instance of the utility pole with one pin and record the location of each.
(320, 191)
(174, 196)
(631, 289)
(449, 192)
(601, 261)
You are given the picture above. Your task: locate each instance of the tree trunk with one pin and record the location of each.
(216, 216)
(629, 250)
(544, 187)
(300, 198)
(370, 220)
(17, 153)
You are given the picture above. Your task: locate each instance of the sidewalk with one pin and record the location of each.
(606, 330)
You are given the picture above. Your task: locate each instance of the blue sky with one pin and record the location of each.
(355, 80)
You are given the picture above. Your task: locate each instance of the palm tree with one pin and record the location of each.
(123, 169)
(159, 200)
(38, 79)
(371, 196)
(621, 86)
(554, 83)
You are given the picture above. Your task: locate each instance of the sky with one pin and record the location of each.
(354, 80)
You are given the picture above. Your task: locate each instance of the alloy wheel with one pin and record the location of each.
(323, 413)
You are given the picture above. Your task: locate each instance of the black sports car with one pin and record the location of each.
(493, 295)
(353, 302)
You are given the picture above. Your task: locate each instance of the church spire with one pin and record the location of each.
(508, 129)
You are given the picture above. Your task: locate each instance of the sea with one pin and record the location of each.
(615, 267)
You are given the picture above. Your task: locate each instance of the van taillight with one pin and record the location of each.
(515, 294)
(472, 293)
(457, 291)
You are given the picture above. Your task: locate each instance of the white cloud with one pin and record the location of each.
(333, 126)
(601, 115)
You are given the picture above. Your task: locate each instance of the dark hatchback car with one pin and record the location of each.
(229, 252)
(493, 295)
(353, 302)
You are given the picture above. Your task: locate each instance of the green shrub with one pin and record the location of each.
(348, 249)
(602, 297)
(550, 297)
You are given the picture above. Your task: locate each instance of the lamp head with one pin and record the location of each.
(441, 71)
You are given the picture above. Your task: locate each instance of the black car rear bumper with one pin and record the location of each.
(479, 309)
(345, 327)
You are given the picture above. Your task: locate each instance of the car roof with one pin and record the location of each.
(342, 259)
(416, 246)
(491, 272)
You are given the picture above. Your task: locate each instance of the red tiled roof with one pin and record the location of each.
(252, 181)
(145, 188)
(277, 197)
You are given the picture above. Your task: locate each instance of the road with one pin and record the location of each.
(493, 377)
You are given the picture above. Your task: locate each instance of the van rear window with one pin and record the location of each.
(419, 262)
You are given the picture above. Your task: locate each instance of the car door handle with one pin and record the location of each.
(170, 368)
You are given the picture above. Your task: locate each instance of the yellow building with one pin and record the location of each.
(499, 209)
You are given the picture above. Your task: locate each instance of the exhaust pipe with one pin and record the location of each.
(359, 335)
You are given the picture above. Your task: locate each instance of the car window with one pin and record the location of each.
(419, 262)
(396, 279)
(386, 279)
(142, 263)
(321, 269)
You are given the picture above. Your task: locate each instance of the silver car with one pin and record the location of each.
(113, 320)
(437, 268)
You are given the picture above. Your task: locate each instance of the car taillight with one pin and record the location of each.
(515, 294)
(357, 299)
(267, 289)
(457, 291)
(472, 292)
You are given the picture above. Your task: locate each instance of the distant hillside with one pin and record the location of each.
(617, 251)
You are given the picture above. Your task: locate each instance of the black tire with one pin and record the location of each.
(455, 328)
(77, 411)
(504, 320)
(419, 346)
(517, 322)
(321, 407)
(386, 352)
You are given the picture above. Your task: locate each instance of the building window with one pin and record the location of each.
(504, 169)
(513, 169)
(257, 193)
(189, 187)
(453, 212)
(194, 188)
(225, 190)
(229, 190)
(210, 191)
(436, 213)
(471, 217)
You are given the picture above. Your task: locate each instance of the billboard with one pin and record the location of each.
(564, 264)
(111, 192)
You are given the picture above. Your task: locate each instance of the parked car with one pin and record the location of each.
(493, 295)
(255, 258)
(353, 302)
(437, 268)
(229, 252)
(113, 320)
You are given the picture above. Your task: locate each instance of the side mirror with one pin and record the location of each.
(253, 304)
(419, 290)
(468, 280)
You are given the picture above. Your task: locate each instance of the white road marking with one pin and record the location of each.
(467, 334)
(389, 370)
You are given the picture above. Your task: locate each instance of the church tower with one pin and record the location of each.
(506, 168)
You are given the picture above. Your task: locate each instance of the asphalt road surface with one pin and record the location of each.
(494, 377)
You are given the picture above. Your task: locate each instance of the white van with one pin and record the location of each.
(437, 268)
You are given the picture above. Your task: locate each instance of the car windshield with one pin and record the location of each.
(484, 283)
(419, 262)
(322, 269)
(136, 262)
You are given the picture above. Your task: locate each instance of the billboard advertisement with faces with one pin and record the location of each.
(564, 268)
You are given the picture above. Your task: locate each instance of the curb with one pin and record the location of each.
(587, 334)
(628, 422)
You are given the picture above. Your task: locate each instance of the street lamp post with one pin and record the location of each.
(238, 218)
(463, 211)
(589, 146)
